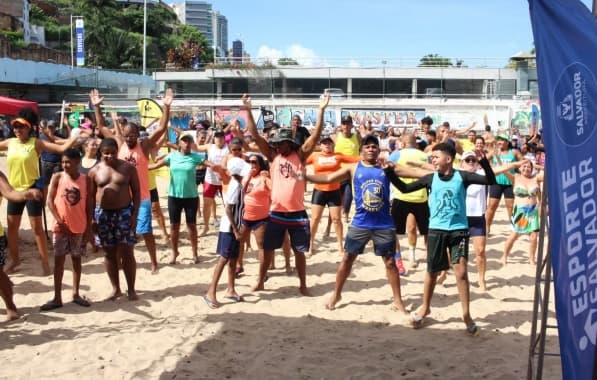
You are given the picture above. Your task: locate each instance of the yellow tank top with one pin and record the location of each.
(419, 196)
(23, 163)
(152, 173)
(348, 146)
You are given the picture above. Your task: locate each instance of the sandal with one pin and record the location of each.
(50, 305)
(473, 330)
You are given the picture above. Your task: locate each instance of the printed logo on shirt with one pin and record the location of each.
(72, 195)
(372, 195)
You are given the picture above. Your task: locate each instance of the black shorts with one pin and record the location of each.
(326, 198)
(442, 245)
(47, 169)
(154, 196)
(177, 205)
(34, 208)
(401, 209)
(200, 176)
(496, 191)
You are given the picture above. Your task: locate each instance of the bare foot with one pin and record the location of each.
(204, 232)
(482, 286)
(305, 291)
(399, 307)
(174, 256)
(11, 315)
(114, 296)
(13, 267)
(442, 277)
(331, 305)
(154, 269)
(196, 259)
(258, 287)
(504, 260)
(132, 295)
(289, 270)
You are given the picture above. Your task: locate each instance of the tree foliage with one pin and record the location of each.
(114, 32)
(435, 60)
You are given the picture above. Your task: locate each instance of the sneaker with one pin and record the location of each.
(400, 266)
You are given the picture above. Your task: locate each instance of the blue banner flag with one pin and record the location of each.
(80, 40)
(565, 34)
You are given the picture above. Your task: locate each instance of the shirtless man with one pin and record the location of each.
(115, 186)
(137, 153)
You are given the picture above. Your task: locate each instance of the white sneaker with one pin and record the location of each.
(413, 259)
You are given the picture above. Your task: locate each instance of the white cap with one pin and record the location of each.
(468, 154)
(237, 166)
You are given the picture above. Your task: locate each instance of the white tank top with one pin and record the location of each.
(476, 198)
(215, 155)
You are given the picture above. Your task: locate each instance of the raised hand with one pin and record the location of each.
(168, 97)
(246, 102)
(324, 101)
(95, 98)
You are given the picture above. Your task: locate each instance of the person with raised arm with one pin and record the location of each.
(287, 212)
(137, 154)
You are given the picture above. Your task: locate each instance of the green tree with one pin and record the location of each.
(435, 60)
(287, 62)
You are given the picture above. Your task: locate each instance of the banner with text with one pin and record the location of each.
(80, 40)
(565, 34)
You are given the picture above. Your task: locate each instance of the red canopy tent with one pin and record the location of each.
(10, 106)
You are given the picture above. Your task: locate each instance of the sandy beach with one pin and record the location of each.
(171, 333)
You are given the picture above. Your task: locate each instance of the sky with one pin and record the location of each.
(367, 33)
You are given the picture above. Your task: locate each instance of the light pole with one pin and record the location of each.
(72, 46)
(144, 35)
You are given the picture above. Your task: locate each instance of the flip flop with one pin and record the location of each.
(416, 322)
(236, 299)
(81, 301)
(50, 305)
(211, 304)
(473, 330)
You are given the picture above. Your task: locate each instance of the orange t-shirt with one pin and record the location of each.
(324, 163)
(71, 202)
(288, 183)
(139, 160)
(257, 199)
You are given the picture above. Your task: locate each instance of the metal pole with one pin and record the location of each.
(595, 8)
(144, 35)
(72, 48)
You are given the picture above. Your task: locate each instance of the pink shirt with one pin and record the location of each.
(70, 203)
(288, 183)
(257, 199)
(139, 160)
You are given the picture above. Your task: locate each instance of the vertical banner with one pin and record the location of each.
(80, 40)
(565, 34)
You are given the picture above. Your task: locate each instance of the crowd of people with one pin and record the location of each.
(99, 186)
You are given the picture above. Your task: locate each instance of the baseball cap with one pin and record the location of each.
(370, 139)
(347, 119)
(185, 136)
(515, 137)
(503, 136)
(468, 154)
(238, 166)
(267, 115)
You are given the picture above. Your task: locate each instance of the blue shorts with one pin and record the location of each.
(144, 217)
(114, 227)
(297, 225)
(254, 224)
(477, 226)
(384, 241)
(228, 247)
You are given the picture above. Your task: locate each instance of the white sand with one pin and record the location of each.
(170, 332)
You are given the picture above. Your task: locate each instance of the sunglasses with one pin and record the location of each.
(470, 160)
(19, 126)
